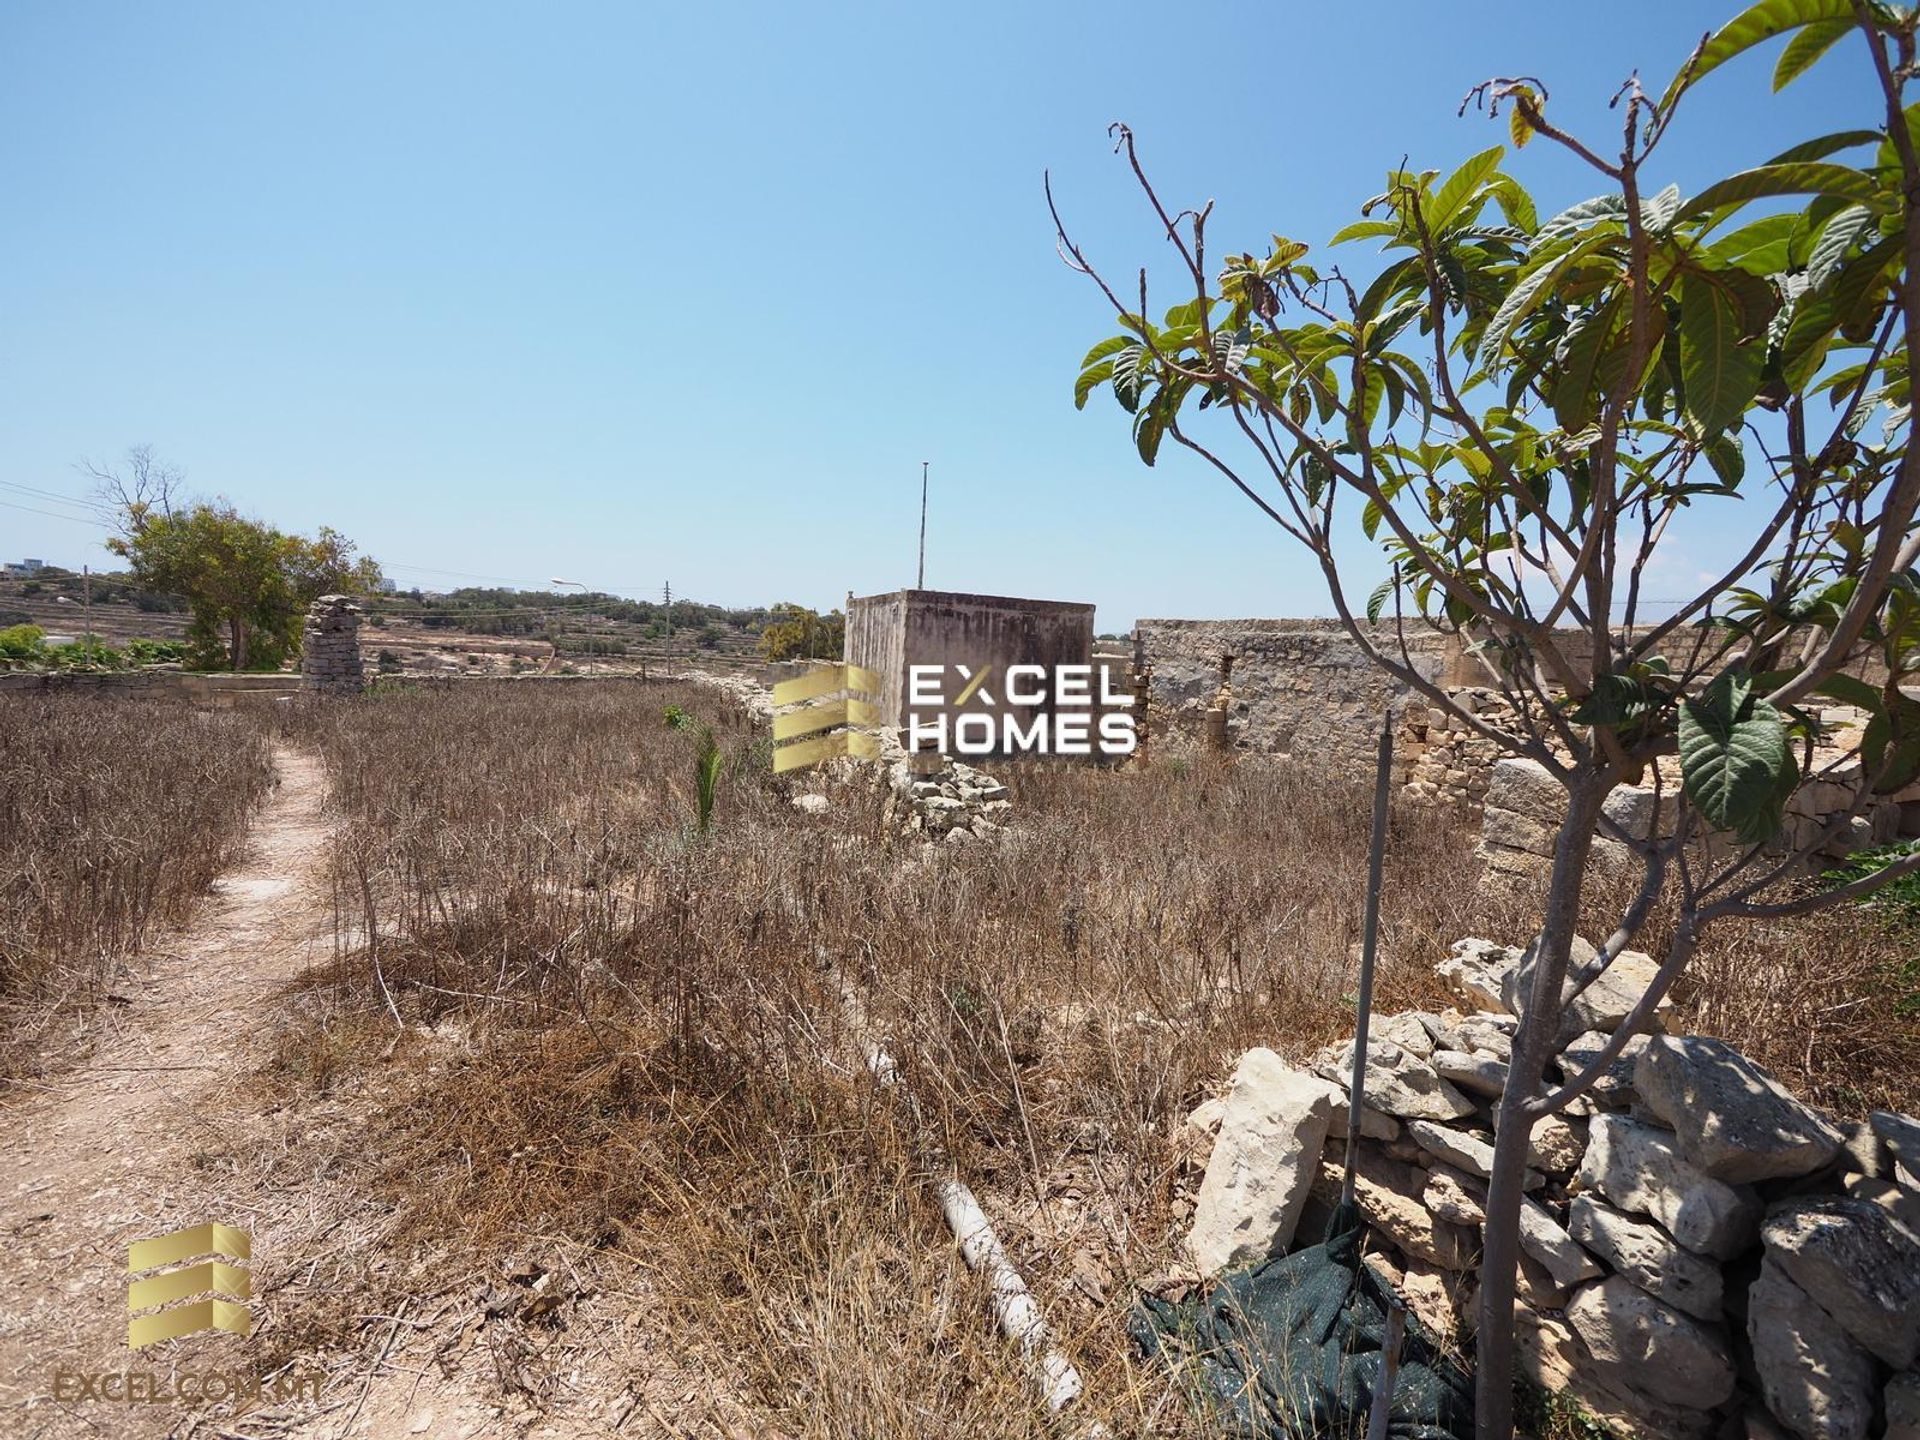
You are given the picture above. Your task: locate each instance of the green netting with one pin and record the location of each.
(1291, 1350)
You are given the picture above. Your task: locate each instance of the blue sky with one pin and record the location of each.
(627, 293)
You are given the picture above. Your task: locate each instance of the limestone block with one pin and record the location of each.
(1272, 1130)
(1639, 1169)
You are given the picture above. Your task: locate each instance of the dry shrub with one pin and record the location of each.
(115, 813)
(616, 1029)
(624, 1031)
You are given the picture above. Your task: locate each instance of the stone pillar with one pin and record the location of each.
(330, 648)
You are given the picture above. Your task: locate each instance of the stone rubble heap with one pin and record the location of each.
(330, 647)
(1703, 1254)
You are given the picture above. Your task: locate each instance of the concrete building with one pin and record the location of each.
(889, 633)
(25, 570)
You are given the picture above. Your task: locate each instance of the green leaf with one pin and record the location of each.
(1822, 146)
(1366, 230)
(1720, 363)
(1615, 700)
(1728, 459)
(1148, 427)
(1531, 288)
(1578, 217)
(1752, 27)
(1849, 690)
(1451, 201)
(1097, 368)
(1802, 177)
(1834, 242)
(1574, 395)
(1734, 757)
(1890, 748)
(1806, 47)
(1377, 601)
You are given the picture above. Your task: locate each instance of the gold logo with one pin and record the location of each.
(224, 1280)
(820, 712)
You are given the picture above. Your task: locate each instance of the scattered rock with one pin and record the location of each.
(1440, 1299)
(1407, 1031)
(1549, 1354)
(1812, 1375)
(1535, 1286)
(1900, 1134)
(1543, 1237)
(812, 803)
(1557, 1144)
(1615, 1085)
(1850, 1257)
(1478, 970)
(1454, 1196)
(1639, 1169)
(1640, 1344)
(1389, 1194)
(1902, 1404)
(1476, 1072)
(1272, 1130)
(1733, 1119)
(1607, 1001)
(1399, 1083)
(1373, 1125)
(1646, 1255)
(1899, 1202)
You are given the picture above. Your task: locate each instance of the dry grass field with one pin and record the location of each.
(564, 1029)
(580, 1022)
(114, 816)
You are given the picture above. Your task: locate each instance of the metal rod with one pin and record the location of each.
(1369, 944)
(920, 580)
(1382, 1409)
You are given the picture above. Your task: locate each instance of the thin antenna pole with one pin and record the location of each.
(1369, 943)
(920, 580)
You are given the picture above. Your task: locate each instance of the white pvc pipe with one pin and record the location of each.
(1014, 1308)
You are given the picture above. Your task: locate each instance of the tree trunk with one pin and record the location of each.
(1533, 1048)
(237, 644)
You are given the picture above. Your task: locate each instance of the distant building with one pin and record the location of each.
(25, 570)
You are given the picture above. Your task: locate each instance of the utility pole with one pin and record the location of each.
(86, 605)
(666, 591)
(920, 581)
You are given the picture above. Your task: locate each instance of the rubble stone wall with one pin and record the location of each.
(330, 648)
(1300, 687)
(1703, 1254)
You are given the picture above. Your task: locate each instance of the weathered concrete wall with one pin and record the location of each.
(1300, 687)
(889, 633)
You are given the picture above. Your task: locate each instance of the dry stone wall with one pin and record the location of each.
(1300, 687)
(330, 648)
(1702, 1253)
(1523, 806)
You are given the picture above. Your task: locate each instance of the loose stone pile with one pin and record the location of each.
(330, 647)
(1702, 1253)
(949, 801)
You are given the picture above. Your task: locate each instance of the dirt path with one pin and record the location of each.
(126, 1144)
(160, 1128)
